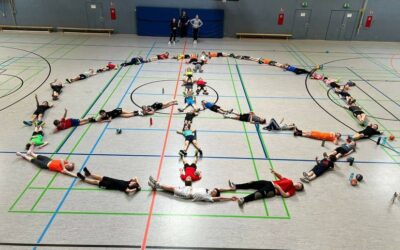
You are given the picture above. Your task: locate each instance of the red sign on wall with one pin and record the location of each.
(368, 22)
(113, 13)
(281, 18)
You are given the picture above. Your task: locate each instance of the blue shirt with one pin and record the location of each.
(208, 105)
(291, 68)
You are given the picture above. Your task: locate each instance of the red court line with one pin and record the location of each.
(146, 232)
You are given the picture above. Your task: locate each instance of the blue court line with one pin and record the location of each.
(255, 97)
(87, 158)
(206, 157)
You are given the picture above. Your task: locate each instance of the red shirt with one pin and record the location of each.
(189, 171)
(286, 185)
(111, 66)
(163, 56)
(201, 82)
(55, 165)
(64, 124)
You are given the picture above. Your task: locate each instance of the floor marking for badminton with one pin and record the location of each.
(61, 144)
(251, 151)
(44, 232)
(366, 111)
(146, 232)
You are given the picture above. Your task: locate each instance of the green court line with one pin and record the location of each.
(77, 143)
(246, 135)
(155, 214)
(265, 148)
(59, 145)
(39, 171)
(104, 190)
(369, 114)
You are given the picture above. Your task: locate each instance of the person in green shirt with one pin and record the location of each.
(36, 139)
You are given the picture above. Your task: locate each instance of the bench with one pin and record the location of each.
(87, 30)
(259, 35)
(30, 28)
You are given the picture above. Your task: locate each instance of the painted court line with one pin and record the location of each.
(204, 157)
(146, 232)
(44, 232)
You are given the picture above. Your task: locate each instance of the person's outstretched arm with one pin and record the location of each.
(233, 198)
(201, 23)
(66, 172)
(65, 113)
(37, 100)
(279, 176)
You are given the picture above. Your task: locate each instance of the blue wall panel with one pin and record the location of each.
(213, 20)
(154, 21)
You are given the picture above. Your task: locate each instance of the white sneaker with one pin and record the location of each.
(169, 43)
(152, 185)
(194, 42)
(174, 42)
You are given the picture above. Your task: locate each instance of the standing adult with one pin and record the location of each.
(183, 24)
(174, 27)
(196, 24)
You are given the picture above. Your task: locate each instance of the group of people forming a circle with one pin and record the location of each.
(282, 186)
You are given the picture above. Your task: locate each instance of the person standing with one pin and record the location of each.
(196, 24)
(174, 27)
(183, 24)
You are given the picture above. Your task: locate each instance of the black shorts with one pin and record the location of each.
(244, 117)
(82, 76)
(57, 88)
(268, 190)
(189, 117)
(341, 150)
(190, 138)
(215, 108)
(319, 169)
(114, 113)
(357, 113)
(38, 133)
(157, 106)
(334, 85)
(272, 63)
(40, 110)
(41, 161)
(113, 184)
(220, 54)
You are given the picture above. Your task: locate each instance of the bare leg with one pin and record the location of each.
(306, 134)
(26, 157)
(186, 146)
(96, 177)
(83, 121)
(196, 145)
(90, 181)
(312, 177)
(167, 188)
(40, 117)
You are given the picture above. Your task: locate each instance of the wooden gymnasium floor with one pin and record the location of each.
(40, 207)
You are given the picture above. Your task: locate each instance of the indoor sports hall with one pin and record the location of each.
(218, 156)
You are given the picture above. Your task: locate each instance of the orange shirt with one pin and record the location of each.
(266, 60)
(212, 54)
(56, 166)
(324, 136)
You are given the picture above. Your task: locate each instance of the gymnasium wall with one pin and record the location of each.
(240, 16)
